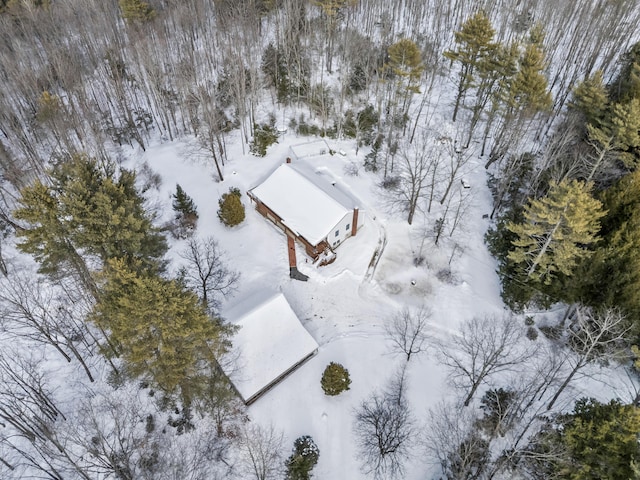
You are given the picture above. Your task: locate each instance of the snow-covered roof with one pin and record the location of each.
(303, 206)
(310, 149)
(269, 343)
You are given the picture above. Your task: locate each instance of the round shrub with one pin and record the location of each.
(231, 211)
(335, 379)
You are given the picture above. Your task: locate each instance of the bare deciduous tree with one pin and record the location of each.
(593, 337)
(29, 419)
(486, 346)
(107, 430)
(384, 428)
(261, 452)
(207, 273)
(454, 443)
(407, 331)
(31, 310)
(414, 168)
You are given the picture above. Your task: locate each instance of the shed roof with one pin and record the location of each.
(303, 206)
(270, 342)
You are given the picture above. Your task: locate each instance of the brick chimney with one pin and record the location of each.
(354, 222)
(288, 160)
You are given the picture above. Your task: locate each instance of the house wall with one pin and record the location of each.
(360, 218)
(341, 231)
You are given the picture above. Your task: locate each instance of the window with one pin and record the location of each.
(347, 227)
(337, 232)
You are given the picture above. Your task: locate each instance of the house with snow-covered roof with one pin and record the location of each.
(270, 344)
(309, 206)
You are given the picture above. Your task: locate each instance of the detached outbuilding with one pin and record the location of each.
(308, 207)
(270, 344)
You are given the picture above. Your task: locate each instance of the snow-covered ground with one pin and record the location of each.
(345, 305)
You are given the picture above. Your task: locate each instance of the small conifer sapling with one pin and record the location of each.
(303, 459)
(231, 211)
(186, 213)
(335, 379)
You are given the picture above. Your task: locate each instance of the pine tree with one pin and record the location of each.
(474, 42)
(405, 61)
(625, 129)
(616, 136)
(160, 330)
(613, 275)
(555, 231)
(304, 457)
(527, 95)
(275, 68)
(596, 441)
(86, 211)
(264, 135)
(529, 90)
(231, 211)
(590, 98)
(186, 212)
(495, 72)
(626, 86)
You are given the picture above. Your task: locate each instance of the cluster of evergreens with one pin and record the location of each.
(566, 229)
(88, 220)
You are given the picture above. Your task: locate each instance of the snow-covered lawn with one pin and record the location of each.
(345, 305)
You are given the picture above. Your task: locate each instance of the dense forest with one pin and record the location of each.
(546, 93)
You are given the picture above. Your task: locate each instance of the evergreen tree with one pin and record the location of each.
(264, 135)
(86, 211)
(555, 232)
(161, 330)
(596, 441)
(498, 406)
(616, 136)
(335, 379)
(527, 94)
(371, 158)
(136, 11)
(529, 91)
(612, 129)
(186, 212)
(304, 457)
(495, 72)
(474, 42)
(405, 64)
(231, 211)
(613, 275)
(275, 68)
(405, 61)
(590, 98)
(626, 86)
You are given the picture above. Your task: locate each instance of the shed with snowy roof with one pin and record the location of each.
(309, 207)
(270, 344)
